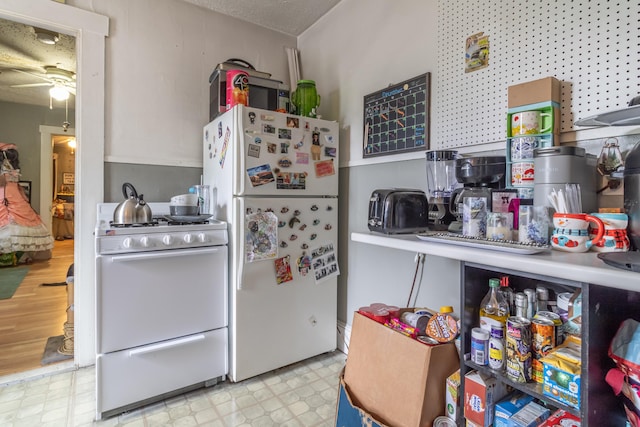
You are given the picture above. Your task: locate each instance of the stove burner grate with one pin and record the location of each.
(173, 222)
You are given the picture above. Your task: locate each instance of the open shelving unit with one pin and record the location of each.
(603, 309)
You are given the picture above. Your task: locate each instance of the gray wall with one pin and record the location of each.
(20, 125)
(157, 183)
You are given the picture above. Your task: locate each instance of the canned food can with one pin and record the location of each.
(518, 349)
(443, 421)
(237, 88)
(556, 320)
(543, 340)
(480, 346)
(427, 340)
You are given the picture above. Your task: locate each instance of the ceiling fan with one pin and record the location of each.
(62, 82)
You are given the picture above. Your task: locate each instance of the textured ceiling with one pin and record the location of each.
(287, 16)
(19, 49)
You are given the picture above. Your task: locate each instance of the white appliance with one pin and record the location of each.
(267, 168)
(161, 308)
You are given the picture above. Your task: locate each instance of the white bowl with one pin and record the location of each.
(185, 200)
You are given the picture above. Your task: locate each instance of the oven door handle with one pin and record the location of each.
(164, 254)
(165, 345)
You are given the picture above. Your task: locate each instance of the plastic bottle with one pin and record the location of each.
(496, 348)
(494, 309)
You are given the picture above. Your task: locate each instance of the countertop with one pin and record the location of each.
(581, 267)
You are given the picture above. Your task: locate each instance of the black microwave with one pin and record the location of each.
(264, 93)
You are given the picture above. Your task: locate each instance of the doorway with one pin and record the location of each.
(92, 29)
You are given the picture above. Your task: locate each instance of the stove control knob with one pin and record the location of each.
(144, 241)
(167, 240)
(202, 238)
(188, 238)
(127, 243)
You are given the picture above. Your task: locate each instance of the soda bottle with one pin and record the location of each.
(508, 293)
(494, 309)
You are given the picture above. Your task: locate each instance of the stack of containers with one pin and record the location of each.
(533, 121)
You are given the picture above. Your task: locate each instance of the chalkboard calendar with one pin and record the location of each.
(396, 119)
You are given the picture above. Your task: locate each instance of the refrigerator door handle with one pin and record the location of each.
(241, 245)
(238, 147)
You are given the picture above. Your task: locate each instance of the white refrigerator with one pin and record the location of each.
(274, 180)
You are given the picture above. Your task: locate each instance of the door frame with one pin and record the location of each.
(90, 30)
(46, 171)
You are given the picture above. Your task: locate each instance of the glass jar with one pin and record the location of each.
(305, 98)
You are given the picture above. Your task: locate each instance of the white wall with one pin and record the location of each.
(160, 54)
(362, 46)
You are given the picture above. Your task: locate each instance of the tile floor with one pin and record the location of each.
(302, 394)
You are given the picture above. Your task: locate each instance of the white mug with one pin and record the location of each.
(529, 123)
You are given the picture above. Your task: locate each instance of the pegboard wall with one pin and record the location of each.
(592, 47)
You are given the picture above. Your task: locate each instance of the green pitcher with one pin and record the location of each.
(305, 98)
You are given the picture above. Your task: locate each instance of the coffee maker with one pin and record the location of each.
(479, 176)
(441, 182)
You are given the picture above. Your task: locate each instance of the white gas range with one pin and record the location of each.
(161, 307)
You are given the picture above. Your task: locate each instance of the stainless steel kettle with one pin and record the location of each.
(133, 210)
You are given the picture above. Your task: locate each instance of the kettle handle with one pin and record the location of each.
(134, 193)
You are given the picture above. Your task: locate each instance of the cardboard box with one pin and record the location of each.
(350, 415)
(561, 418)
(531, 415)
(481, 392)
(534, 92)
(452, 395)
(507, 408)
(399, 380)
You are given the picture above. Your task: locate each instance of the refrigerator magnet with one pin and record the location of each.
(324, 168)
(329, 139)
(283, 270)
(253, 151)
(271, 148)
(302, 158)
(252, 117)
(267, 117)
(304, 264)
(284, 133)
(284, 162)
(293, 122)
(269, 129)
(298, 145)
(316, 149)
(225, 145)
(260, 175)
(261, 239)
(291, 181)
(284, 147)
(330, 151)
(324, 262)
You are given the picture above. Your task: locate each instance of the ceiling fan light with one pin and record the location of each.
(59, 93)
(46, 36)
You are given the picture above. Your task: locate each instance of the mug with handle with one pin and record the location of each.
(529, 123)
(571, 232)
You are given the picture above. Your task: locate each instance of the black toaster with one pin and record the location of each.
(398, 210)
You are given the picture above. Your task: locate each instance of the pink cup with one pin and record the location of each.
(571, 232)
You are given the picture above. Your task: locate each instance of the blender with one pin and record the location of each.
(441, 182)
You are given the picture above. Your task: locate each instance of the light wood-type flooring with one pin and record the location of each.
(35, 312)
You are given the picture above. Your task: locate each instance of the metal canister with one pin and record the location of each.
(543, 340)
(521, 303)
(557, 322)
(237, 88)
(518, 349)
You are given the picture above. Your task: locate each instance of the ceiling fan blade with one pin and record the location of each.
(72, 90)
(33, 85)
(33, 74)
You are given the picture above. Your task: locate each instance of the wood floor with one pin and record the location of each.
(35, 312)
